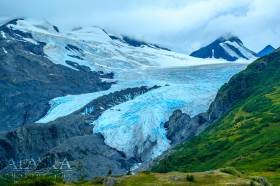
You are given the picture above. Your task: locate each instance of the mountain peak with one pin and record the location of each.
(228, 47)
(229, 37)
(269, 46)
(266, 50)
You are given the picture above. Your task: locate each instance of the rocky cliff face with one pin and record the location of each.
(28, 79)
(181, 127)
(71, 137)
(40, 67)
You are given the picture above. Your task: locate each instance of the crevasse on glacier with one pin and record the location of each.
(129, 126)
(135, 126)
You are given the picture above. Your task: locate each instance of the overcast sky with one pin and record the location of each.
(184, 25)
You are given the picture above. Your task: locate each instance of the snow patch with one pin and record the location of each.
(229, 50)
(4, 50)
(3, 35)
(245, 52)
(31, 41)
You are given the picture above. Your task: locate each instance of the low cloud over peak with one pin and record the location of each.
(177, 24)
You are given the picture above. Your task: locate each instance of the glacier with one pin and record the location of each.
(134, 127)
(190, 89)
(140, 120)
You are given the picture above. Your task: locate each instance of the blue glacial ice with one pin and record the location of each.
(133, 125)
(129, 126)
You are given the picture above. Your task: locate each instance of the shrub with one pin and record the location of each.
(190, 178)
(252, 183)
(109, 172)
(146, 172)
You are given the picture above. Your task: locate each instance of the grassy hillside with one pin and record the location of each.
(212, 178)
(248, 136)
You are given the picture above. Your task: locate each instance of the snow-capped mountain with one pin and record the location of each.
(103, 94)
(228, 47)
(266, 51)
(136, 43)
(109, 53)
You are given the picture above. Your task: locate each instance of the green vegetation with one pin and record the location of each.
(231, 170)
(98, 180)
(31, 180)
(247, 137)
(210, 178)
(34, 180)
(6, 180)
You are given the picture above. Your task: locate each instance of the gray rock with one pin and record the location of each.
(89, 156)
(28, 80)
(71, 137)
(181, 127)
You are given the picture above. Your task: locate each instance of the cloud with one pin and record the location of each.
(178, 24)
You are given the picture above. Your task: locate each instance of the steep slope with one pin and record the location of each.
(266, 51)
(39, 63)
(28, 79)
(65, 87)
(228, 47)
(247, 135)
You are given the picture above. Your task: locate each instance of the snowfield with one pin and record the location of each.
(186, 82)
(228, 45)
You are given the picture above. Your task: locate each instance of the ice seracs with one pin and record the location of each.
(134, 126)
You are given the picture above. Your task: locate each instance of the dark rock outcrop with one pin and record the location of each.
(28, 79)
(136, 43)
(71, 137)
(181, 127)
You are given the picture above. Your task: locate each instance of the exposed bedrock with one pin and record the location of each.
(28, 79)
(181, 127)
(71, 137)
